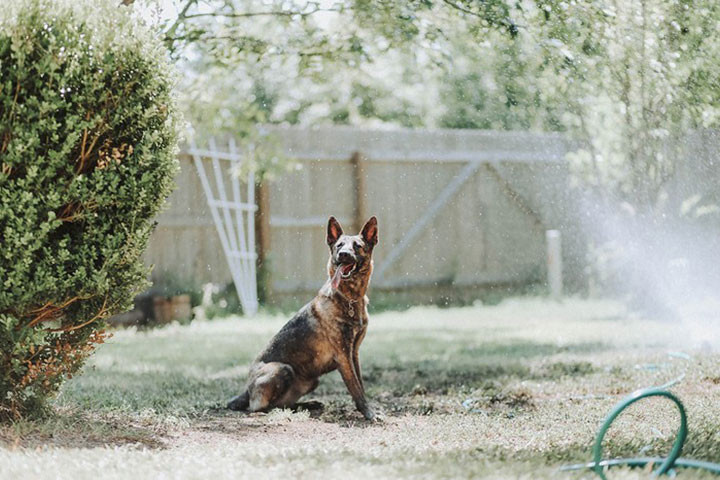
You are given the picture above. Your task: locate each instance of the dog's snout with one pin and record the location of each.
(345, 257)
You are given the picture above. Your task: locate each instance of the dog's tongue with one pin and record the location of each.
(339, 271)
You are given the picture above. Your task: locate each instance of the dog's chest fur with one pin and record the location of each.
(312, 340)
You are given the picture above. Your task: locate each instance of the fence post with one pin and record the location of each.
(554, 263)
(262, 235)
(360, 215)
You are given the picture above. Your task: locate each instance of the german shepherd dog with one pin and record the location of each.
(323, 336)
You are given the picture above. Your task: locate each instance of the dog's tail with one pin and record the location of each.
(241, 402)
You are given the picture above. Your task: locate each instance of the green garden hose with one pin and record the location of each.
(598, 465)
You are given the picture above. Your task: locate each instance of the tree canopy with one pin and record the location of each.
(623, 76)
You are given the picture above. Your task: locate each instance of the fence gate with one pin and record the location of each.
(234, 218)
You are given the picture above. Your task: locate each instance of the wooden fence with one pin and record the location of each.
(456, 208)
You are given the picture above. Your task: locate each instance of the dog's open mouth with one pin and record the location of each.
(347, 269)
(343, 270)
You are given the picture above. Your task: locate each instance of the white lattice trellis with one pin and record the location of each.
(234, 218)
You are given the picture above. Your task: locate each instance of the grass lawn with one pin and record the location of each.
(507, 391)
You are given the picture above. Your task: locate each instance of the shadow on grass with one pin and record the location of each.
(527, 350)
(484, 367)
(161, 392)
(70, 429)
(475, 367)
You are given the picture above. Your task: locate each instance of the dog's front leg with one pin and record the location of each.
(358, 373)
(356, 359)
(347, 371)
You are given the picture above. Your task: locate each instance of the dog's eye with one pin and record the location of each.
(339, 245)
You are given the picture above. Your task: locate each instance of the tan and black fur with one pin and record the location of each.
(323, 336)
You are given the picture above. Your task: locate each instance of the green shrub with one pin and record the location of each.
(88, 132)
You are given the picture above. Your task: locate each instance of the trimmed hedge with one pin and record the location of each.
(88, 135)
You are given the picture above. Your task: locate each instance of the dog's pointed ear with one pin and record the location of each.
(334, 230)
(370, 232)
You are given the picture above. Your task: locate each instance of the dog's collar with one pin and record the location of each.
(351, 303)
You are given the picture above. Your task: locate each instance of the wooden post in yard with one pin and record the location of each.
(262, 239)
(360, 215)
(554, 263)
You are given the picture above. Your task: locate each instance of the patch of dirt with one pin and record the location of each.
(258, 429)
(516, 399)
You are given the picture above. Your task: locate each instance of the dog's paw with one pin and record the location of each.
(373, 416)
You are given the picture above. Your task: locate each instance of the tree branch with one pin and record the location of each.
(463, 9)
(506, 22)
(170, 33)
(277, 13)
